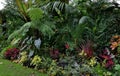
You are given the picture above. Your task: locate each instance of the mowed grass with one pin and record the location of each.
(8, 68)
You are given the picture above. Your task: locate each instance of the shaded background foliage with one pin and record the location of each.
(55, 24)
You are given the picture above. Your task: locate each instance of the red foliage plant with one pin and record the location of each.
(54, 53)
(11, 54)
(108, 57)
(87, 48)
(67, 46)
(109, 63)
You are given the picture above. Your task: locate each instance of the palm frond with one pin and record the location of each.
(35, 13)
(20, 32)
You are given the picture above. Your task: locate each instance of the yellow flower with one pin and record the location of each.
(92, 61)
(82, 53)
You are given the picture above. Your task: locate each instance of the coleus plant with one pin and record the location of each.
(87, 48)
(12, 53)
(107, 56)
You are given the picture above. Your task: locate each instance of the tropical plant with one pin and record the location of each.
(36, 61)
(23, 58)
(62, 34)
(11, 54)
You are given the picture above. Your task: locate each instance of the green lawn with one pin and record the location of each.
(8, 68)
